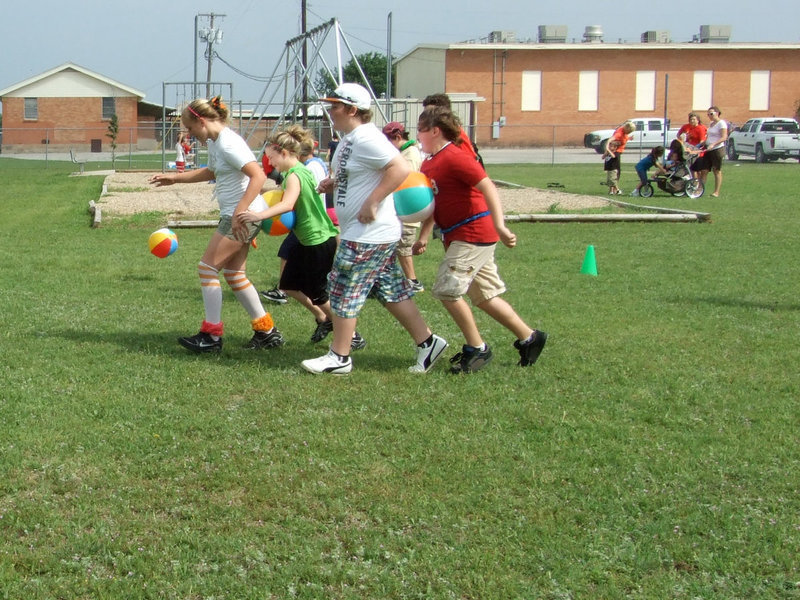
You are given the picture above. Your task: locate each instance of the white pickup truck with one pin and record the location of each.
(766, 139)
(649, 134)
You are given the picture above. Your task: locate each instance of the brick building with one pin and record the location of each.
(553, 93)
(70, 107)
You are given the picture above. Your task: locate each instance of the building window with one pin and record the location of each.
(31, 109)
(702, 88)
(645, 90)
(109, 107)
(759, 90)
(587, 90)
(531, 90)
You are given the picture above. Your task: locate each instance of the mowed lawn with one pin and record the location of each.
(652, 452)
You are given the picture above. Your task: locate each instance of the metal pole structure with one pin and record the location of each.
(666, 99)
(389, 106)
(304, 62)
(194, 86)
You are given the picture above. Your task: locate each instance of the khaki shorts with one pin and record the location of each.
(468, 269)
(225, 228)
(407, 239)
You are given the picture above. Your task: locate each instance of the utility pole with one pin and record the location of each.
(210, 35)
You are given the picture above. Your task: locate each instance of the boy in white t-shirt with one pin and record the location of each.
(367, 168)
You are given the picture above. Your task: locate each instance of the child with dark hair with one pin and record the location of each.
(647, 163)
(470, 214)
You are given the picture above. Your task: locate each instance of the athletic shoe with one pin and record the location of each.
(265, 339)
(635, 193)
(322, 331)
(329, 363)
(202, 342)
(358, 342)
(427, 357)
(416, 285)
(275, 295)
(470, 359)
(529, 351)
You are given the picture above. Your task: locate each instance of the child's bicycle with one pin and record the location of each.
(678, 181)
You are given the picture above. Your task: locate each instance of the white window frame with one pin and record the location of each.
(588, 87)
(531, 91)
(702, 90)
(645, 91)
(759, 90)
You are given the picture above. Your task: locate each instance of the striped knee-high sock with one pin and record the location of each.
(212, 292)
(245, 293)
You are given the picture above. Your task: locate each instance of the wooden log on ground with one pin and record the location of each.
(603, 218)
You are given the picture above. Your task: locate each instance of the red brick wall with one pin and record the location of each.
(471, 71)
(66, 123)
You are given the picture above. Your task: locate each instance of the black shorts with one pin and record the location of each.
(711, 160)
(612, 164)
(287, 245)
(307, 269)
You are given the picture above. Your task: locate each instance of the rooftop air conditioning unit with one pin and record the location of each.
(715, 33)
(552, 34)
(502, 37)
(593, 34)
(655, 37)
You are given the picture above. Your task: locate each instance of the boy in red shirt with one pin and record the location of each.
(469, 212)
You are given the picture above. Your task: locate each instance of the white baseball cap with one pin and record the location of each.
(351, 94)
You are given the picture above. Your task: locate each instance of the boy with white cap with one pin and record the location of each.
(366, 169)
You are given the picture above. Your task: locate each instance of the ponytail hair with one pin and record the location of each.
(294, 139)
(212, 110)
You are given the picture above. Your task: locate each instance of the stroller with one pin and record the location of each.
(678, 181)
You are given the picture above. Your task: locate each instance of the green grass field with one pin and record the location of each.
(652, 452)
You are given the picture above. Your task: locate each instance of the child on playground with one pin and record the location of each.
(304, 275)
(470, 214)
(238, 182)
(611, 167)
(648, 162)
(366, 169)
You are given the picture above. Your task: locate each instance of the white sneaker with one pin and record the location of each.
(328, 363)
(635, 193)
(427, 357)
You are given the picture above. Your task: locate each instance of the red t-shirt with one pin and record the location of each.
(466, 144)
(620, 136)
(454, 174)
(694, 135)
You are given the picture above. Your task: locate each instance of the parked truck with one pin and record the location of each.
(766, 139)
(649, 134)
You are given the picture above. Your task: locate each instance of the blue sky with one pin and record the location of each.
(143, 43)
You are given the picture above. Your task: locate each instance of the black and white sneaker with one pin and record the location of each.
(322, 331)
(275, 295)
(358, 342)
(265, 339)
(330, 363)
(530, 350)
(470, 359)
(427, 356)
(200, 343)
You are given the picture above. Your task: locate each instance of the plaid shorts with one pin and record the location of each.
(225, 227)
(361, 268)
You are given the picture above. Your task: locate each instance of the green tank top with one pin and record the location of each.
(312, 224)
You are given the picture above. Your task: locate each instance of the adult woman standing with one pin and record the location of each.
(239, 179)
(716, 137)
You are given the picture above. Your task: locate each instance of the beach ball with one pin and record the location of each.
(413, 200)
(163, 242)
(281, 224)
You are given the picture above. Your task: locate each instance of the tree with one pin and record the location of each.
(373, 65)
(113, 132)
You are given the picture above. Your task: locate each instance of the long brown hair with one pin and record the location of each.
(444, 119)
